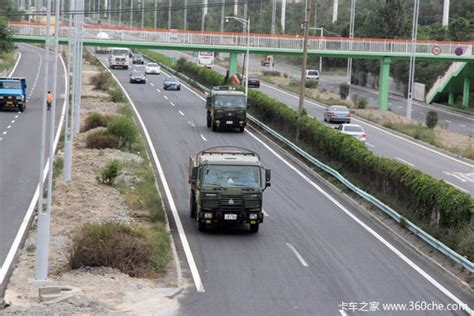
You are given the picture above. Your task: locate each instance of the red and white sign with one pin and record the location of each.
(436, 50)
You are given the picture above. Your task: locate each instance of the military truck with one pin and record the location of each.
(13, 93)
(227, 185)
(226, 108)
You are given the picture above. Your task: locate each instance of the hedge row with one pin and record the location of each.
(432, 204)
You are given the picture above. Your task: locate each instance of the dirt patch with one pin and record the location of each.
(84, 200)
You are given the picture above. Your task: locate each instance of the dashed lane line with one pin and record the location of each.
(405, 162)
(182, 114)
(203, 138)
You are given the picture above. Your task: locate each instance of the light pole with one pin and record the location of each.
(246, 24)
(120, 12)
(351, 35)
(131, 13)
(155, 14)
(411, 76)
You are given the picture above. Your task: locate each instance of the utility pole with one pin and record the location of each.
(222, 15)
(185, 15)
(303, 66)
(131, 13)
(68, 134)
(283, 16)
(351, 36)
(446, 12)
(143, 14)
(120, 13)
(155, 19)
(169, 15)
(204, 13)
(273, 16)
(411, 74)
(236, 7)
(335, 8)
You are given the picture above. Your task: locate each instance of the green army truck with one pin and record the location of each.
(227, 185)
(226, 109)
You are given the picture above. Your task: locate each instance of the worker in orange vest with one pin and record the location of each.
(49, 100)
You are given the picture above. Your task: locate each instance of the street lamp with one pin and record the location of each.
(246, 24)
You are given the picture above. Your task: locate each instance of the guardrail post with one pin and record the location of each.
(384, 82)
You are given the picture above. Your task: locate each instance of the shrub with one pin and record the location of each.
(117, 95)
(271, 73)
(344, 90)
(94, 120)
(361, 102)
(294, 83)
(285, 75)
(101, 140)
(58, 166)
(123, 128)
(431, 119)
(100, 81)
(115, 245)
(110, 172)
(311, 84)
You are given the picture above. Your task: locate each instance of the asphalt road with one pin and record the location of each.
(20, 142)
(431, 161)
(313, 253)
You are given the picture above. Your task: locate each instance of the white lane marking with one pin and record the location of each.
(369, 144)
(182, 114)
(405, 162)
(152, 84)
(397, 252)
(265, 213)
(342, 312)
(447, 121)
(9, 126)
(172, 103)
(165, 97)
(191, 123)
(5, 133)
(462, 125)
(13, 121)
(1, 138)
(399, 106)
(174, 211)
(297, 254)
(158, 90)
(456, 175)
(422, 113)
(24, 224)
(16, 65)
(457, 187)
(16, 116)
(203, 138)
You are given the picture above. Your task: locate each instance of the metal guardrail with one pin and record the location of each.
(430, 240)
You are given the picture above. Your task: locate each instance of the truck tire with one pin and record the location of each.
(201, 226)
(254, 228)
(241, 129)
(192, 205)
(208, 119)
(21, 107)
(214, 127)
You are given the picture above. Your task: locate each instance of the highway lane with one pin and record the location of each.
(20, 147)
(261, 274)
(439, 165)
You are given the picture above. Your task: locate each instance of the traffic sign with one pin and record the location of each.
(436, 50)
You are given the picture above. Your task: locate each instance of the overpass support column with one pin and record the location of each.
(384, 83)
(450, 97)
(233, 64)
(466, 91)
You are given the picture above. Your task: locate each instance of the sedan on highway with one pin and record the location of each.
(353, 130)
(137, 59)
(337, 113)
(152, 68)
(254, 82)
(137, 76)
(171, 83)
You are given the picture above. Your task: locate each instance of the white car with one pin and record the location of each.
(354, 130)
(312, 75)
(152, 68)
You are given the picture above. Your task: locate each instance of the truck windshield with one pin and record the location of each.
(231, 176)
(10, 85)
(120, 52)
(237, 101)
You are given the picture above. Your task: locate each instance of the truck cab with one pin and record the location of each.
(227, 185)
(119, 57)
(267, 60)
(226, 109)
(13, 93)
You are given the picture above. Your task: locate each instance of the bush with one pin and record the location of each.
(101, 140)
(271, 73)
(285, 75)
(110, 172)
(311, 84)
(94, 120)
(431, 119)
(361, 102)
(124, 128)
(343, 90)
(115, 245)
(101, 81)
(117, 95)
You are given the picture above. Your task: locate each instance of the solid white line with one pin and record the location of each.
(152, 84)
(367, 228)
(158, 90)
(457, 187)
(456, 176)
(174, 210)
(297, 254)
(165, 97)
(405, 162)
(181, 113)
(203, 138)
(16, 65)
(24, 224)
(369, 144)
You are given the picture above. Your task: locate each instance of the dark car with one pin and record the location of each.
(137, 76)
(138, 59)
(254, 82)
(337, 113)
(171, 83)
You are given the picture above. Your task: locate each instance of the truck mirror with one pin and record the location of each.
(268, 177)
(193, 178)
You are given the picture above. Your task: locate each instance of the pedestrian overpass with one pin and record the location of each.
(385, 50)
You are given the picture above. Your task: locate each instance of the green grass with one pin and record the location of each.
(8, 60)
(417, 131)
(58, 166)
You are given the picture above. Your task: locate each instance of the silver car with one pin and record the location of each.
(353, 130)
(337, 113)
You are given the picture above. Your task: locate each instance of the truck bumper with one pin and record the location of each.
(11, 104)
(229, 217)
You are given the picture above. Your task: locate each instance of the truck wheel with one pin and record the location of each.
(214, 127)
(192, 205)
(21, 107)
(201, 226)
(254, 228)
(208, 119)
(241, 129)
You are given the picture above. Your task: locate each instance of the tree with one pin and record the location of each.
(459, 29)
(5, 43)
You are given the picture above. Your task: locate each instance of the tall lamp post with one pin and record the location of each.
(246, 24)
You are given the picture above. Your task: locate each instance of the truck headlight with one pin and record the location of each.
(253, 216)
(1, 97)
(207, 215)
